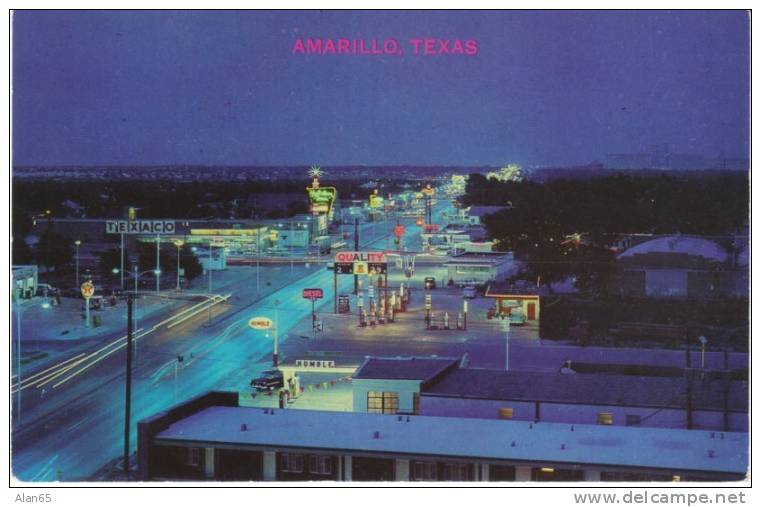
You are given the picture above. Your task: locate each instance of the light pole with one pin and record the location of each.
(703, 342)
(464, 314)
(507, 343)
(76, 244)
(180, 358)
(158, 265)
(18, 364)
(18, 358)
(178, 243)
(277, 332)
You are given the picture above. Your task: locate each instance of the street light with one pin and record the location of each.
(19, 312)
(507, 343)
(703, 342)
(76, 244)
(178, 243)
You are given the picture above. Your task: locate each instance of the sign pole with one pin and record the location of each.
(314, 321)
(121, 271)
(335, 291)
(356, 249)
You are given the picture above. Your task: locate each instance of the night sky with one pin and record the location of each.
(223, 88)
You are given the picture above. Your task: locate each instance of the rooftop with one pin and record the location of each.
(404, 368)
(506, 289)
(550, 443)
(679, 244)
(480, 257)
(597, 389)
(479, 211)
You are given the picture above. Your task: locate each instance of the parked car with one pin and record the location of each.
(517, 317)
(430, 282)
(470, 292)
(269, 380)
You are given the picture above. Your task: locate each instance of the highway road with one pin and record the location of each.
(70, 430)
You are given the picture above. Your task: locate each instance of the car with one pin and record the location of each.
(470, 292)
(430, 282)
(517, 317)
(269, 380)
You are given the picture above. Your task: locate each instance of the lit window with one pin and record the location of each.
(193, 457)
(505, 413)
(425, 471)
(605, 418)
(382, 402)
(456, 472)
(322, 465)
(291, 462)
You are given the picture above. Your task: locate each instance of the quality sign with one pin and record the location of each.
(374, 257)
(140, 227)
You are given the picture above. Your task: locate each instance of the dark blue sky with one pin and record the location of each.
(547, 88)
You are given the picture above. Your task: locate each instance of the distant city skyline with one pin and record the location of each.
(232, 88)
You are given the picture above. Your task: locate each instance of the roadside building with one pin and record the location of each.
(24, 282)
(476, 214)
(212, 438)
(690, 402)
(678, 266)
(524, 296)
(392, 385)
(479, 268)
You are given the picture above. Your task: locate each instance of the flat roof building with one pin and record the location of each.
(211, 438)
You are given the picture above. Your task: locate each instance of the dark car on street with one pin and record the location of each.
(269, 380)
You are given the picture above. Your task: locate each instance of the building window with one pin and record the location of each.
(456, 472)
(425, 471)
(505, 413)
(605, 418)
(292, 463)
(382, 402)
(193, 457)
(632, 419)
(322, 465)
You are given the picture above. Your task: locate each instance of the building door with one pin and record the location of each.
(531, 311)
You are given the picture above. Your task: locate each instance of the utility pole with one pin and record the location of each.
(128, 385)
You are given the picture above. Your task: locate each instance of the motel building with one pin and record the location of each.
(212, 438)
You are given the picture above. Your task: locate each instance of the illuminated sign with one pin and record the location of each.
(374, 257)
(321, 199)
(376, 201)
(399, 231)
(360, 268)
(273, 235)
(224, 232)
(260, 323)
(311, 293)
(140, 227)
(88, 289)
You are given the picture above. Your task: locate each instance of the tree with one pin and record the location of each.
(189, 262)
(110, 260)
(54, 250)
(21, 253)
